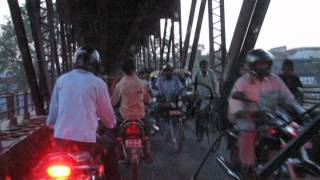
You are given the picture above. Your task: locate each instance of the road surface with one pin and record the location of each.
(168, 165)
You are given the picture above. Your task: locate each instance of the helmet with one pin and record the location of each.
(87, 58)
(259, 55)
(167, 67)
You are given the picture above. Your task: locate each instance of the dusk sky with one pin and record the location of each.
(288, 22)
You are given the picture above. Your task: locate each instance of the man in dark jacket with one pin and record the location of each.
(291, 80)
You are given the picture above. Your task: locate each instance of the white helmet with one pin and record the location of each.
(87, 58)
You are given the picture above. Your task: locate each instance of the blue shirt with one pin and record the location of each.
(78, 100)
(169, 87)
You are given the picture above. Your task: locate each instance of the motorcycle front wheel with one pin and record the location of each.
(178, 135)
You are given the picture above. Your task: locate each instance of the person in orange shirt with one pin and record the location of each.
(131, 94)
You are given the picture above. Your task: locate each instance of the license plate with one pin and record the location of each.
(175, 113)
(133, 143)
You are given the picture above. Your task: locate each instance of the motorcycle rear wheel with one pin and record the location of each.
(135, 171)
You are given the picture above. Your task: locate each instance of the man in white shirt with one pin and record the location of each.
(78, 101)
(207, 77)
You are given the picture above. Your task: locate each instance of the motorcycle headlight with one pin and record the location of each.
(154, 100)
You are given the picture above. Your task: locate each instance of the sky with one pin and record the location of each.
(291, 23)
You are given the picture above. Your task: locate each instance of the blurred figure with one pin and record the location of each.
(79, 99)
(81, 87)
(207, 77)
(131, 94)
(168, 83)
(244, 69)
(261, 86)
(291, 80)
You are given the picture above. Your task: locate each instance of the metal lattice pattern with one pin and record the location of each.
(217, 35)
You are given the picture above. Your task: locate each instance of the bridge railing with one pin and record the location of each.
(15, 104)
(311, 95)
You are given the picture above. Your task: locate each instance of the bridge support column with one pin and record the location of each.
(196, 36)
(170, 40)
(180, 37)
(25, 53)
(26, 114)
(173, 44)
(153, 50)
(163, 43)
(11, 110)
(187, 37)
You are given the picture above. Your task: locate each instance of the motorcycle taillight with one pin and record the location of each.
(58, 165)
(133, 129)
(59, 171)
(272, 131)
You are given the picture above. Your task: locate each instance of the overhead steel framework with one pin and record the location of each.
(217, 37)
(217, 52)
(245, 35)
(116, 28)
(131, 28)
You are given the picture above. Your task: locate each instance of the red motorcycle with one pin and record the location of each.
(68, 161)
(132, 140)
(275, 129)
(69, 165)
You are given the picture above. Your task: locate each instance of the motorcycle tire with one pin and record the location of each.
(135, 171)
(179, 136)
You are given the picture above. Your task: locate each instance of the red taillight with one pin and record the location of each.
(272, 131)
(295, 134)
(59, 171)
(101, 170)
(133, 129)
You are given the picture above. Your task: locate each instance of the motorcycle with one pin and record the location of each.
(171, 122)
(131, 142)
(70, 165)
(151, 116)
(275, 130)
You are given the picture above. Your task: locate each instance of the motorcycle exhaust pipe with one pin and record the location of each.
(226, 167)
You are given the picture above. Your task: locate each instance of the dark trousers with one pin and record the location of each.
(74, 146)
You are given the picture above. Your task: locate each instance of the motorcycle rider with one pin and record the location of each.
(168, 84)
(132, 94)
(262, 86)
(291, 80)
(78, 101)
